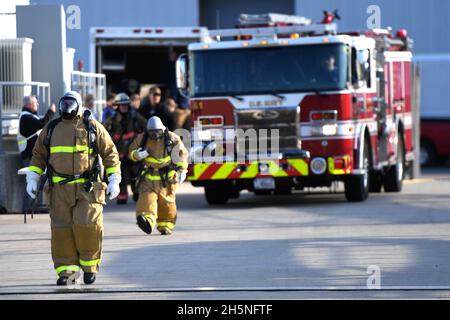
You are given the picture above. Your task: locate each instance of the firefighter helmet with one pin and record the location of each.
(122, 98)
(155, 128)
(70, 105)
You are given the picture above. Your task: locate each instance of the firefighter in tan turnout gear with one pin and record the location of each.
(68, 149)
(165, 158)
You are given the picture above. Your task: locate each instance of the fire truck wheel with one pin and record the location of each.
(283, 191)
(427, 153)
(376, 182)
(262, 192)
(216, 194)
(393, 180)
(357, 186)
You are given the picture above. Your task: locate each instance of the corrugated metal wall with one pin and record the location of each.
(119, 13)
(217, 14)
(426, 21)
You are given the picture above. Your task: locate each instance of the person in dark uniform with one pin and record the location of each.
(123, 127)
(30, 125)
(152, 106)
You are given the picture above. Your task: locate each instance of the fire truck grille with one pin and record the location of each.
(285, 120)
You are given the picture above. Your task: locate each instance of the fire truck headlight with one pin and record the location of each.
(318, 165)
(329, 129)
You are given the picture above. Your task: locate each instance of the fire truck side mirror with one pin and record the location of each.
(182, 74)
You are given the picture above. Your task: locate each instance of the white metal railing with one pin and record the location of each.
(91, 83)
(11, 102)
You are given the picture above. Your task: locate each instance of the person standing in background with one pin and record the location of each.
(30, 125)
(110, 108)
(153, 107)
(89, 104)
(135, 101)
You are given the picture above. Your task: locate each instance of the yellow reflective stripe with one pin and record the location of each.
(331, 167)
(182, 165)
(300, 165)
(152, 178)
(151, 219)
(224, 171)
(133, 155)
(158, 160)
(89, 263)
(251, 172)
(57, 179)
(163, 224)
(276, 171)
(22, 141)
(198, 170)
(72, 149)
(36, 169)
(158, 177)
(67, 268)
(113, 170)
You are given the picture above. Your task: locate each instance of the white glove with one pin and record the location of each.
(141, 154)
(113, 188)
(182, 176)
(32, 181)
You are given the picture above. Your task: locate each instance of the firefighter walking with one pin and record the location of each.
(123, 127)
(69, 148)
(165, 158)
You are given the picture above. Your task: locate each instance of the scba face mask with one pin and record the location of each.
(155, 134)
(68, 108)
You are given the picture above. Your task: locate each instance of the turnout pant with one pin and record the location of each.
(130, 172)
(158, 206)
(77, 227)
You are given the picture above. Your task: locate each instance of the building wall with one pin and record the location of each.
(218, 14)
(119, 13)
(8, 17)
(426, 21)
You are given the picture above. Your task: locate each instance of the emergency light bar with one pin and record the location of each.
(274, 31)
(271, 18)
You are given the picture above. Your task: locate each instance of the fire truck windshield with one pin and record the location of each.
(263, 70)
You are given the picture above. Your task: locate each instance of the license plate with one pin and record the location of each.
(264, 184)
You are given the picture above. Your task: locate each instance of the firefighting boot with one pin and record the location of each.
(62, 281)
(165, 231)
(144, 224)
(89, 277)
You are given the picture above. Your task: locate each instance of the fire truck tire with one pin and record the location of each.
(393, 180)
(262, 192)
(427, 153)
(283, 191)
(216, 194)
(376, 182)
(357, 186)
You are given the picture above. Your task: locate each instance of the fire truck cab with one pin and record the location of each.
(336, 106)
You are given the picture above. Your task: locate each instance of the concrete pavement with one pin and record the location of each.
(298, 246)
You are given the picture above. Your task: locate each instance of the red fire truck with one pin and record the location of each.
(340, 102)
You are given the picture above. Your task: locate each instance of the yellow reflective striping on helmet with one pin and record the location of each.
(71, 268)
(72, 149)
(36, 170)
